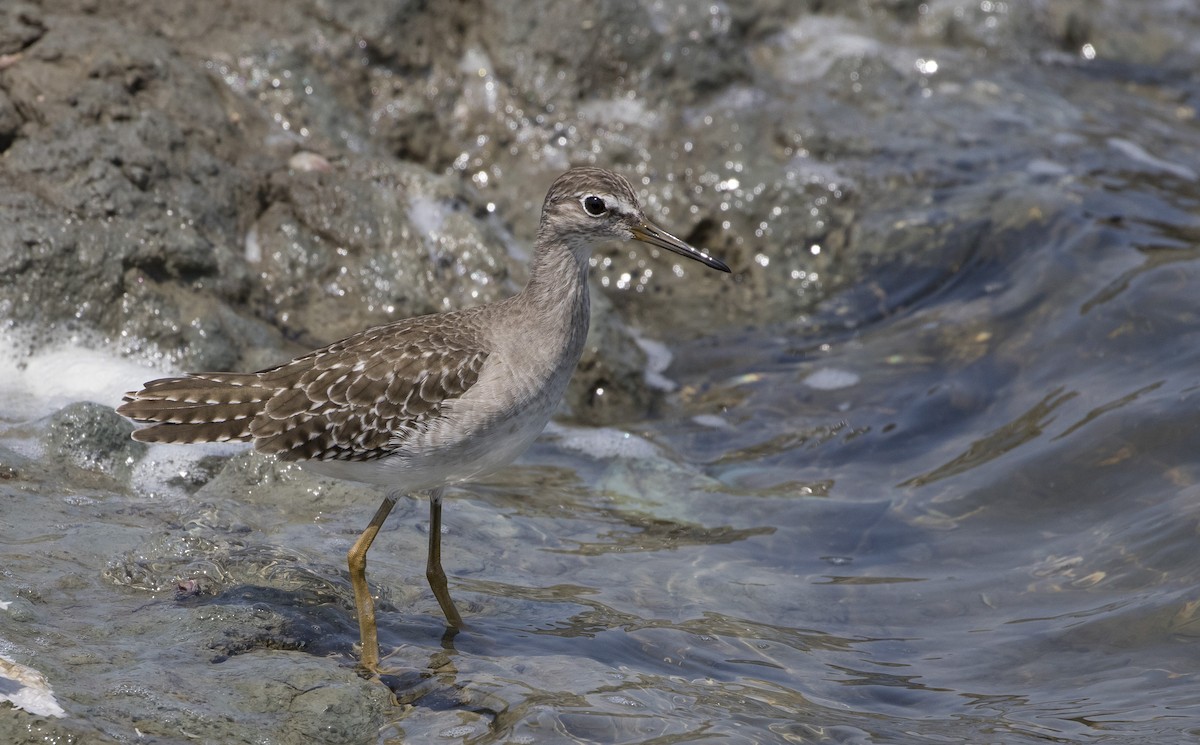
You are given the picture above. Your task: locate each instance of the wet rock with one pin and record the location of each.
(12, 465)
(10, 121)
(294, 696)
(609, 383)
(408, 36)
(250, 619)
(21, 24)
(198, 473)
(153, 194)
(120, 190)
(542, 46)
(315, 701)
(92, 437)
(354, 247)
(259, 481)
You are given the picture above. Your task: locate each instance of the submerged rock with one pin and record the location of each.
(92, 437)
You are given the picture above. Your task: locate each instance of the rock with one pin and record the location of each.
(92, 437)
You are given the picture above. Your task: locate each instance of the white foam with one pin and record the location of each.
(1137, 152)
(428, 216)
(711, 420)
(626, 111)
(1043, 167)
(75, 370)
(475, 62)
(252, 246)
(163, 464)
(658, 359)
(604, 442)
(813, 44)
(37, 385)
(309, 161)
(831, 379)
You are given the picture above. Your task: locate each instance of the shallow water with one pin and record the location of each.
(956, 502)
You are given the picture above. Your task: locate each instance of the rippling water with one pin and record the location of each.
(993, 530)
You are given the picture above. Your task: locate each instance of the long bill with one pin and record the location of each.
(656, 236)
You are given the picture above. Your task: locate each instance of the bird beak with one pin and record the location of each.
(655, 236)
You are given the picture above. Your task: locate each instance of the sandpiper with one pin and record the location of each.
(424, 402)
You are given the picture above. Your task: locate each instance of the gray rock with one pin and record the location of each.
(92, 437)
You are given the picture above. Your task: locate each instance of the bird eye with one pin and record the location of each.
(594, 205)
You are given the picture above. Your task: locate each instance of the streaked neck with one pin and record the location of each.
(557, 293)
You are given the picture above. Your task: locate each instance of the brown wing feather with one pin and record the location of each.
(196, 408)
(357, 399)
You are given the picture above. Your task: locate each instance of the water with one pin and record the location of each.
(935, 482)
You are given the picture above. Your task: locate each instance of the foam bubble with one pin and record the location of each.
(604, 442)
(166, 470)
(658, 359)
(831, 379)
(80, 369)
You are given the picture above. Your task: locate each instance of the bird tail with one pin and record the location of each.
(199, 407)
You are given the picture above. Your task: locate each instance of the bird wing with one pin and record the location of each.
(358, 399)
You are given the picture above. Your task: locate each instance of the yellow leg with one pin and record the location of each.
(364, 604)
(433, 568)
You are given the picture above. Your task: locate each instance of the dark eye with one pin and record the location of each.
(594, 205)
